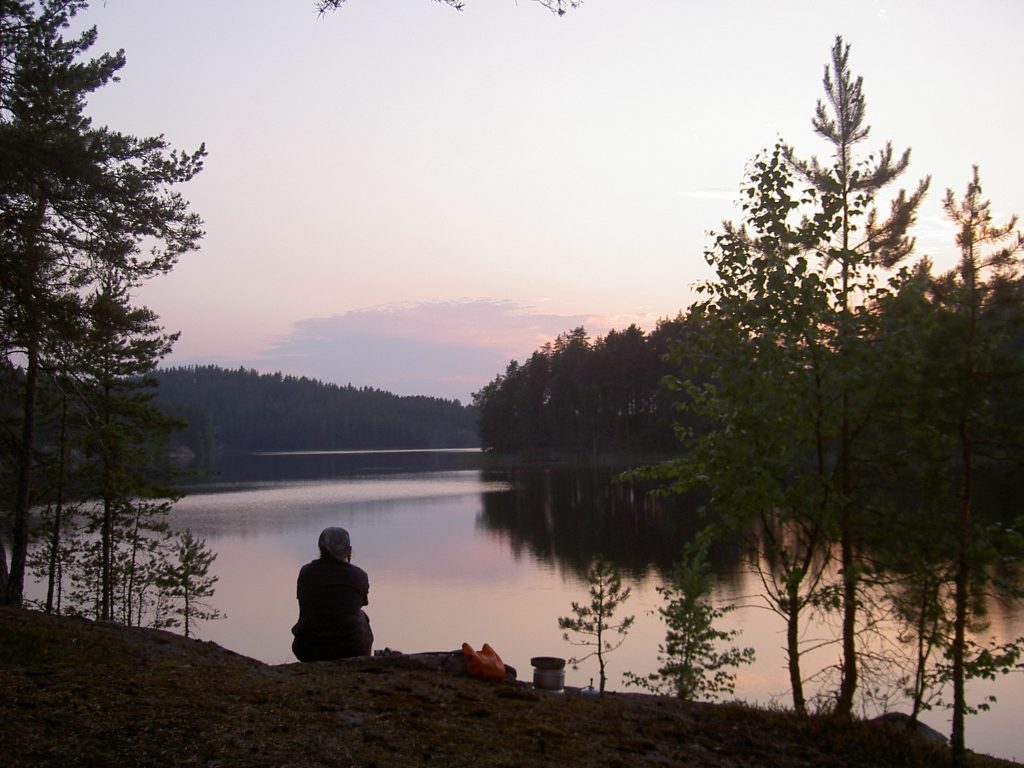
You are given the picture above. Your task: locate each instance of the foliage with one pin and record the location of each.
(116, 438)
(854, 408)
(693, 665)
(970, 302)
(77, 204)
(186, 581)
(950, 424)
(862, 242)
(764, 350)
(791, 373)
(247, 411)
(121, 435)
(580, 396)
(594, 621)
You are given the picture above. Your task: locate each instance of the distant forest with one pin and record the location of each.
(243, 410)
(583, 396)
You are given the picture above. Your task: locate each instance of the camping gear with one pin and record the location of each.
(548, 673)
(485, 664)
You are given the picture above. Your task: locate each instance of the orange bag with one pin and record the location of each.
(485, 663)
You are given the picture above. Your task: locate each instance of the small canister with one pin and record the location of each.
(548, 673)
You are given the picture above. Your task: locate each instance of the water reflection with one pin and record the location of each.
(567, 516)
(280, 505)
(456, 553)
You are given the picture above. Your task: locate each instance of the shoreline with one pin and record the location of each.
(76, 692)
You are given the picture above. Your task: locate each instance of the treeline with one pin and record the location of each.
(243, 410)
(581, 396)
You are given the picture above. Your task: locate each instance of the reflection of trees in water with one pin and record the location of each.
(568, 516)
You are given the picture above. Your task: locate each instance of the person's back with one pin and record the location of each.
(331, 594)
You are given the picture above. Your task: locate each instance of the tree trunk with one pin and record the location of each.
(129, 593)
(848, 683)
(107, 523)
(51, 576)
(15, 591)
(4, 570)
(106, 561)
(962, 583)
(27, 281)
(793, 651)
(848, 686)
(923, 648)
(58, 511)
(188, 608)
(956, 739)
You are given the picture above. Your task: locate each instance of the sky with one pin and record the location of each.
(404, 196)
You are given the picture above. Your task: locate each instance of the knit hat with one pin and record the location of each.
(335, 542)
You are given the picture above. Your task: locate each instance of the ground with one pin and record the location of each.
(81, 693)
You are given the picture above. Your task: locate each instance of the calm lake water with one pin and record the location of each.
(456, 554)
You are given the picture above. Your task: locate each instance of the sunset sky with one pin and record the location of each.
(404, 196)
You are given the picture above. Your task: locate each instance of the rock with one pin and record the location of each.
(901, 720)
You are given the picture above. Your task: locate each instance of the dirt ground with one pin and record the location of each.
(81, 693)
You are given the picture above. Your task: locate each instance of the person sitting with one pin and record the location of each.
(332, 592)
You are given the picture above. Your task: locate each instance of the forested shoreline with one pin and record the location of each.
(578, 396)
(244, 410)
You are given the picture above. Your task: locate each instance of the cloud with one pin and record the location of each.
(443, 349)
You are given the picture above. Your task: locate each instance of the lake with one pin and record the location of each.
(459, 554)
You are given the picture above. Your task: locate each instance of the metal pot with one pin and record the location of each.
(549, 679)
(548, 673)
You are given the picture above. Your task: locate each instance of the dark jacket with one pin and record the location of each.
(332, 623)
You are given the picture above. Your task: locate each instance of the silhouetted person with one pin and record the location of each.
(332, 592)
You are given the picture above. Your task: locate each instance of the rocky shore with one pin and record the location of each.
(81, 693)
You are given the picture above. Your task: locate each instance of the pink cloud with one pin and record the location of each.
(447, 349)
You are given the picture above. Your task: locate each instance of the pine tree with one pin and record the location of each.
(71, 196)
(974, 379)
(123, 434)
(186, 580)
(864, 241)
(693, 662)
(594, 621)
